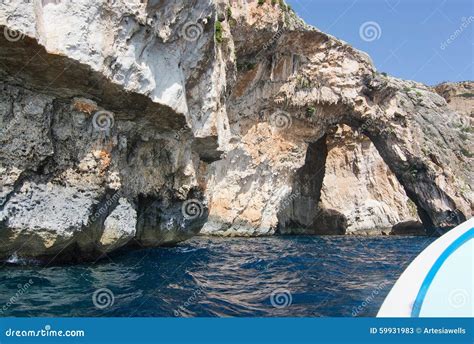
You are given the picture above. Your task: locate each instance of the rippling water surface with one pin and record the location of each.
(277, 276)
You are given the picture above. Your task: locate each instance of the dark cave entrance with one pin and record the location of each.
(303, 213)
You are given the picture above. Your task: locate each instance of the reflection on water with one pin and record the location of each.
(277, 276)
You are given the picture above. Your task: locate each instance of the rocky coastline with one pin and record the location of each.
(144, 123)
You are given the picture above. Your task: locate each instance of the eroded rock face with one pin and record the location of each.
(359, 185)
(70, 185)
(119, 227)
(95, 119)
(460, 98)
(292, 86)
(123, 122)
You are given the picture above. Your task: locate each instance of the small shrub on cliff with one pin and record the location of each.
(245, 66)
(229, 13)
(261, 2)
(413, 172)
(218, 32)
(303, 82)
(310, 111)
(412, 208)
(467, 153)
(282, 5)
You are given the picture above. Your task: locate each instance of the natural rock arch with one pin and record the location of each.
(319, 82)
(423, 171)
(345, 187)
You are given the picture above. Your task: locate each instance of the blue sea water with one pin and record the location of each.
(275, 276)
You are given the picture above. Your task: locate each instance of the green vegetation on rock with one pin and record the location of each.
(218, 32)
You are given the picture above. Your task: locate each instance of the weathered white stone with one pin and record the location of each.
(119, 227)
(243, 123)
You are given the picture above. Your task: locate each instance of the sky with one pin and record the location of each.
(429, 41)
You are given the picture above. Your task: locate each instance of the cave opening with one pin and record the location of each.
(346, 187)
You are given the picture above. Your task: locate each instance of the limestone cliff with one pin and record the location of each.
(293, 85)
(460, 98)
(139, 122)
(359, 185)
